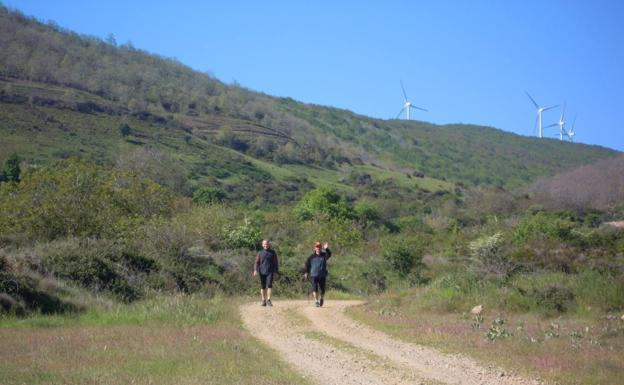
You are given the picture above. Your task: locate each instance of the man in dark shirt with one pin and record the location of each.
(316, 269)
(268, 267)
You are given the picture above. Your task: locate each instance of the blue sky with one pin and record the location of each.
(465, 61)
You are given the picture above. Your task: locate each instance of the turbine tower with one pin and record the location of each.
(407, 106)
(561, 124)
(539, 114)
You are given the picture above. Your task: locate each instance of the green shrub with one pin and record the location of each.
(555, 298)
(24, 291)
(488, 259)
(323, 201)
(77, 198)
(366, 214)
(245, 236)
(543, 224)
(11, 171)
(404, 256)
(100, 266)
(453, 291)
(593, 289)
(208, 196)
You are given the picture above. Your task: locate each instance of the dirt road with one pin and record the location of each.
(330, 348)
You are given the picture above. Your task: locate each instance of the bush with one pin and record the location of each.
(100, 266)
(325, 201)
(453, 291)
(542, 224)
(24, 291)
(245, 236)
(402, 255)
(207, 196)
(487, 258)
(594, 289)
(77, 198)
(555, 298)
(11, 171)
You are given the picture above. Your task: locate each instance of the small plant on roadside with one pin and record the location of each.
(497, 330)
(553, 331)
(477, 321)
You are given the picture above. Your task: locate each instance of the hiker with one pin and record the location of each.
(268, 267)
(316, 269)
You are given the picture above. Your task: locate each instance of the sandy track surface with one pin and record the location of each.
(330, 348)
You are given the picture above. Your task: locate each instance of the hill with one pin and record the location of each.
(63, 94)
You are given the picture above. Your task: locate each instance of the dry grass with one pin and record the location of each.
(563, 350)
(150, 353)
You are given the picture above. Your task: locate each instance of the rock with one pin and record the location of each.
(477, 310)
(616, 224)
(622, 317)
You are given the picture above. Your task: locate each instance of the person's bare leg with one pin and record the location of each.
(263, 293)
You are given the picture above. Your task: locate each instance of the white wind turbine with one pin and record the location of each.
(561, 124)
(539, 114)
(408, 105)
(570, 133)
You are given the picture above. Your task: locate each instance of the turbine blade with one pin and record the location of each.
(552, 125)
(534, 103)
(403, 88)
(550, 108)
(400, 112)
(418, 108)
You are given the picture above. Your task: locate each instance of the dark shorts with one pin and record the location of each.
(266, 281)
(318, 284)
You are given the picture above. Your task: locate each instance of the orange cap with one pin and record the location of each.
(317, 244)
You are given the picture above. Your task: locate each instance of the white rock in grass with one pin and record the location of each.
(477, 310)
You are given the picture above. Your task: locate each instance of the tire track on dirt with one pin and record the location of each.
(352, 353)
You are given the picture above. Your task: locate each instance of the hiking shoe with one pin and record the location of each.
(318, 304)
(321, 302)
(269, 303)
(264, 303)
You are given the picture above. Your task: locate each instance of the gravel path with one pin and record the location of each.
(330, 348)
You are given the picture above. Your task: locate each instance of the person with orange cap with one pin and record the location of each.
(316, 269)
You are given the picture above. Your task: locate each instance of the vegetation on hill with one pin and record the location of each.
(126, 174)
(129, 176)
(64, 94)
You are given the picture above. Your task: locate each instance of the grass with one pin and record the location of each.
(165, 340)
(567, 349)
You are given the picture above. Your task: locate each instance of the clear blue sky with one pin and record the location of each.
(465, 61)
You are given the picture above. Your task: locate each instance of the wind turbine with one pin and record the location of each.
(571, 132)
(561, 124)
(408, 105)
(539, 114)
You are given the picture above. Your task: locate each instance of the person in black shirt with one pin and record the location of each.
(316, 269)
(267, 267)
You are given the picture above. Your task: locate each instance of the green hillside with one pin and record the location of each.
(64, 94)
